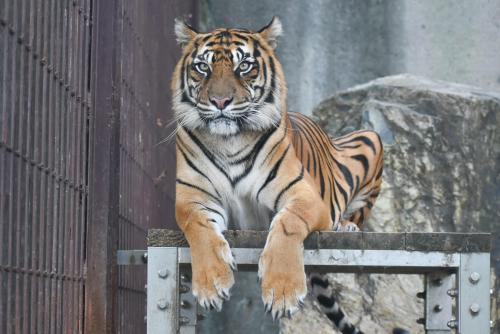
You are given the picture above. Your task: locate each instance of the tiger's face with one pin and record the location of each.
(228, 80)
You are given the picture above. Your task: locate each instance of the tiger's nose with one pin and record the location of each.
(221, 102)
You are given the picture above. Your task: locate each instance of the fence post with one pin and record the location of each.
(102, 236)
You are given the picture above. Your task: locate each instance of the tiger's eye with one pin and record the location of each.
(203, 67)
(244, 66)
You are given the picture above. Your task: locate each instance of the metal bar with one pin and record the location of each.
(163, 287)
(101, 288)
(474, 293)
(352, 260)
(131, 257)
(188, 305)
(438, 302)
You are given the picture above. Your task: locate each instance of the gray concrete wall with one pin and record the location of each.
(330, 45)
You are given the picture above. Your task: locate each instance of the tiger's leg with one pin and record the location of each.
(281, 266)
(361, 214)
(211, 259)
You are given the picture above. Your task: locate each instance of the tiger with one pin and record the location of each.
(245, 162)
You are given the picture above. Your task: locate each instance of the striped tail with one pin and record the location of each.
(329, 305)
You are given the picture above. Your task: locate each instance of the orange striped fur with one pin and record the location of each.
(243, 162)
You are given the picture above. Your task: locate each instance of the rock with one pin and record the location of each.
(442, 173)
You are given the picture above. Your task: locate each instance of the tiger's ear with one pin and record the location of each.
(272, 31)
(184, 33)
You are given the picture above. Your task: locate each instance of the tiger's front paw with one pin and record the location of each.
(283, 280)
(213, 274)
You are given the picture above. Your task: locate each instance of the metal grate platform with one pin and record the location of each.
(439, 256)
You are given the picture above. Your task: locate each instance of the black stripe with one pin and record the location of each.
(297, 179)
(322, 183)
(209, 209)
(196, 169)
(342, 191)
(364, 161)
(200, 189)
(274, 147)
(252, 156)
(318, 281)
(270, 95)
(207, 153)
(272, 174)
(364, 139)
(346, 173)
(326, 301)
(379, 174)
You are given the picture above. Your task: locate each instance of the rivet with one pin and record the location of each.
(184, 278)
(145, 257)
(438, 308)
(145, 319)
(162, 304)
(475, 308)
(184, 320)
(438, 282)
(474, 277)
(421, 295)
(421, 321)
(492, 292)
(185, 304)
(452, 292)
(453, 323)
(163, 273)
(183, 289)
(145, 286)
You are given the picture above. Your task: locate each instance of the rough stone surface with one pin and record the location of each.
(442, 173)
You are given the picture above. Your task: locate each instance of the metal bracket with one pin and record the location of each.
(132, 257)
(474, 293)
(188, 305)
(438, 302)
(162, 293)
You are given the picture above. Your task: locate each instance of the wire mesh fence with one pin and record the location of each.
(49, 74)
(44, 153)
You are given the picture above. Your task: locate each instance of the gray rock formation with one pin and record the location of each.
(442, 173)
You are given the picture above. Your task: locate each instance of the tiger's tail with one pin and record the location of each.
(329, 304)
(331, 308)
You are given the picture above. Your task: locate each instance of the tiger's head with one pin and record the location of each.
(228, 80)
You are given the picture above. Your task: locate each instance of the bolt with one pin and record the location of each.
(421, 295)
(438, 308)
(163, 273)
(453, 323)
(145, 319)
(421, 321)
(474, 308)
(185, 304)
(492, 292)
(492, 324)
(474, 277)
(183, 288)
(185, 278)
(145, 286)
(145, 257)
(452, 292)
(438, 282)
(184, 320)
(162, 304)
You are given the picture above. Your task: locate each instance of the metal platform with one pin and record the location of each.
(455, 265)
